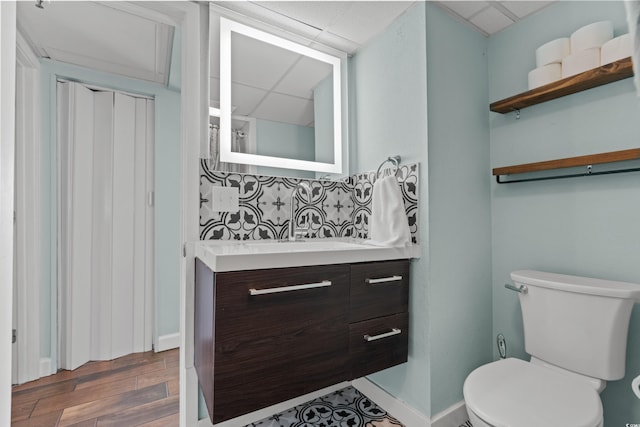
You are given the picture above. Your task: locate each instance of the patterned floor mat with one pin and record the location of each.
(346, 407)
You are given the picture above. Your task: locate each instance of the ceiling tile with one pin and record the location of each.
(258, 64)
(244, 99)
(491, 20)
(524, 8)
(319, 14)
(285, 109)
(305, 75)
(268, 18)
(363, 20)
(465, 9)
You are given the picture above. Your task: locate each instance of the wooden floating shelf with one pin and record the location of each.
(608, 73)
(570, 162)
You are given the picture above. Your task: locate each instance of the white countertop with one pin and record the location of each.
(226, 255)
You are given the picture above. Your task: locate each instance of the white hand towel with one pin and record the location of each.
(633, 19)
(388, 225)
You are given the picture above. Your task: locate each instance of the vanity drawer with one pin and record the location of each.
(378, 289)
(378, 344)
(279, 334)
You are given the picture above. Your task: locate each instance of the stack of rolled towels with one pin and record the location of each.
(588, 47)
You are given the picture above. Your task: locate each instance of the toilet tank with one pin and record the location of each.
(577, 323)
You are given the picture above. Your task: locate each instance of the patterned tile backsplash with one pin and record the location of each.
(337, 208)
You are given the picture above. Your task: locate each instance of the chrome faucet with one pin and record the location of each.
(294, 231)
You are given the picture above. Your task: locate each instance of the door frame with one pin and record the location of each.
(7, 157)
(28, 272)
(191, 17)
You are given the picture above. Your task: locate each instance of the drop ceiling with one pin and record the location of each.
(114, 37)
(270, 94)
(490, 17)
(121, 38)
(343, 25)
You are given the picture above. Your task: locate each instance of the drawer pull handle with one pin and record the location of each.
(322, 284)
(394, 331)
(383, 280)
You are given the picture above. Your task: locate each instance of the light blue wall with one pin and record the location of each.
(394, 79)
(167, 194)
(583, 226)
(388, 116)
(284, 140)
(323, 120)
(459, 297)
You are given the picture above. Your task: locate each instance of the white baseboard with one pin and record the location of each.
(265, 412)
(168, 342)
(400, 410)
(45, 367)
(453, 416)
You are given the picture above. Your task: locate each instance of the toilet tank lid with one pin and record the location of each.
(578, 284)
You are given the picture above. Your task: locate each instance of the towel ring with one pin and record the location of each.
(396, 163)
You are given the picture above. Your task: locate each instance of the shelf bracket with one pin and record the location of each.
(517, 111)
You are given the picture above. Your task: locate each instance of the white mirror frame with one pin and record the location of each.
(226, 155)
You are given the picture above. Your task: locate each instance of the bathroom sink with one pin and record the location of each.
(304, 245)
(220, 255)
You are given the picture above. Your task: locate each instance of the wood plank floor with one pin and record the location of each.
(140, 389)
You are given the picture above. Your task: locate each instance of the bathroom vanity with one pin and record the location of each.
(314, 318)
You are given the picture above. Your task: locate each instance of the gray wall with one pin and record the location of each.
(582, 226)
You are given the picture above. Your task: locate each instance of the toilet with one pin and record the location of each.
(575, 329)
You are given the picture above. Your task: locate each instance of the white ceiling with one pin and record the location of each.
(490, 17)
(283, 89)
(343, 25)
(127, 38)
(114, 37)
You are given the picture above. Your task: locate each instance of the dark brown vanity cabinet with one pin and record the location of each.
(378, 316)
(265, 336)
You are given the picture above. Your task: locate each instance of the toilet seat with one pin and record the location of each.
(515, 393)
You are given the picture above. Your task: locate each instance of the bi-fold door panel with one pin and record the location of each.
(105, 169)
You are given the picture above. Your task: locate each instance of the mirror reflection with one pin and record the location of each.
(282, 101)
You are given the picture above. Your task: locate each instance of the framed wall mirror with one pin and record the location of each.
(294, 93)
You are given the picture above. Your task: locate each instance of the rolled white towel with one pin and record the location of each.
(388, 225)
(633, 19)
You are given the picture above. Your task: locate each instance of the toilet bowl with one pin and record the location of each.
(575, 329)
(515, 393)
